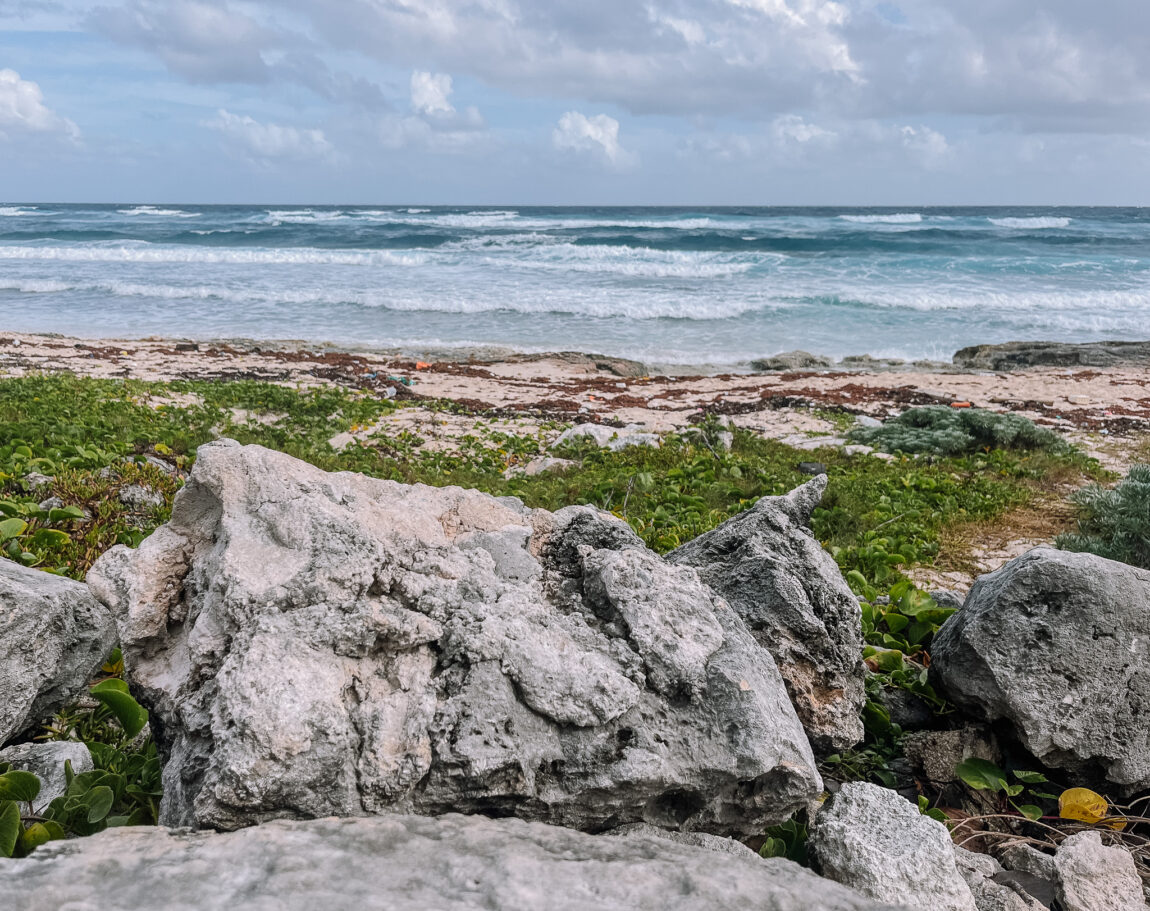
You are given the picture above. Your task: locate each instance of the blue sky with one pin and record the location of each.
(576, 101)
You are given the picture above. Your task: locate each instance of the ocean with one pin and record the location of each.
(682, 286)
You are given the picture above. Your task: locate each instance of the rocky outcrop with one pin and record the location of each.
(871, 839)
(406, 863)
(1057, 644)
(613, 438)
(1020, 355)
(792, 360)
(767, 564)
(53, 637)
(315, 644)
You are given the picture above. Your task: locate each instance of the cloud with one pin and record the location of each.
(598, 135)
(270, 142)
(202, 41)
(23, 112)
(928, 146)
(429, 93)
(434, 123)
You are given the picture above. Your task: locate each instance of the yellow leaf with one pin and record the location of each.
(1083, 805)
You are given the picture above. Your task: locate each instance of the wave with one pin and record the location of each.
(155, 212)
(635, 262)
(16, 211)
(1041, 221)
(147, 253)
(900, 218)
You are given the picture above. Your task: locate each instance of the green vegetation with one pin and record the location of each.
(1114, 523)
(94, 439)
(939, 430)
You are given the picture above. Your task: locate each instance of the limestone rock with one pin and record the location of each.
(1058, 645)
(980, 872)
(877, 842)
(406, 863)
(1020, 355)
(1092, 877)
(695, 839)
(766, 563)
(614, 438)
(792, 360)
(317, 644)
(137, 496)
(53, 637)
(46, 761)
(542, 465)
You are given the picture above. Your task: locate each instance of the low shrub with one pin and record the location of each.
(1114, 523)
(942, 431)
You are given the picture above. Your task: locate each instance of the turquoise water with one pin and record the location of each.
(688, 286)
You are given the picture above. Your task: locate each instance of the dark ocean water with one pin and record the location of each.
(715, 286)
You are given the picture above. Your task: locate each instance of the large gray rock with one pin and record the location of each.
(47, 761)
(983, 874)
(871, 839)
(1020, 355)
(406, 863)
(317, 644)
(1058, 645)
(53, 637)
(789, 592)
(1093, 877)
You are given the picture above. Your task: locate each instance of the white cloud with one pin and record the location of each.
(928, 146)
(598, 135)
(791, 128)
(267, 142)
(430, 93)
(23, 112)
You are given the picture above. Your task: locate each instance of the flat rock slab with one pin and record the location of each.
(1020, 355)
(407, 863)
(53, 637)
(318, 644)
(1057, 644)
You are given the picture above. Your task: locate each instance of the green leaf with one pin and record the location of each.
(773, 847)
(11, 528)
(1030, 811)
(20, 786)
(896, 623)
(32, 837)
(64, 513)
(49, 537)
(9, 827)
(99, 801)
(114, 694)
(1029, 777)
(981, 774)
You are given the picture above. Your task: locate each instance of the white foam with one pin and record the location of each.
(16, 211)
(155, 212)
(155, 253)
(637, 262)
(1042, 221)
(899, 218)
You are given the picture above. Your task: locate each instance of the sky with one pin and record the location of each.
(576, 102)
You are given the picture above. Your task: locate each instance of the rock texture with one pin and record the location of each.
(1058, 645)
(1020, 355)
(873, 840)
(767, 564)
(53, 637)
(406, 863)
(792, 360)
(981, 873)
(315, 644)
(614, 438)
(46, 761)
(1093, 877)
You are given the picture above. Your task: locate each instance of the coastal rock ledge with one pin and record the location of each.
(408, 863)
(315, 644)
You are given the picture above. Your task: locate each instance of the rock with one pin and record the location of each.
(1058, 645)
(317, 644)
(51, 503)
(873, 840)
(864, 420)
(46, 762)
(548, 466)
(1078, 399)
(791, 360)
(767, 564)
(981, 873)
(854, 449)
(806, 443)
(812, 468)
(934, 755)
(407, 863)
(53, 637)
(34, 481)
(608, 437)
(948, 599)
(1092, 877)
(1020, 355)
(139, 497)
(695, 839)
(906, 709)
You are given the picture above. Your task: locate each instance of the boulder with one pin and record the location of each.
(1057, 644)
(53, 637)
(982, 873)
(1020, 355)
(316, 644)
(406, 863)
(792, 360)
(46, 761)
(768, 566)
(871, 839)
(538, 466)
(1093, 877)
(614, 438)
